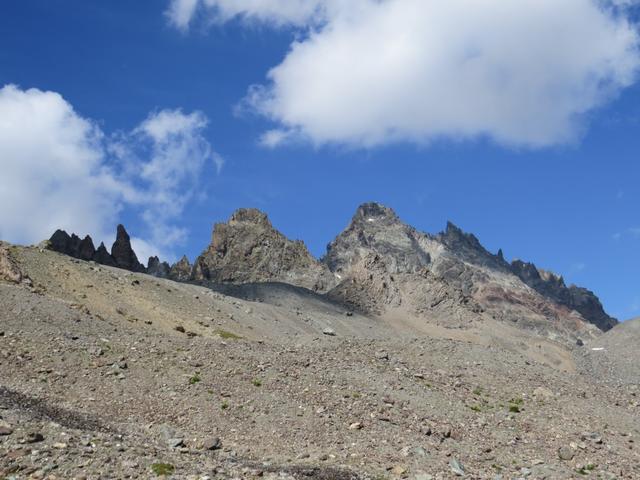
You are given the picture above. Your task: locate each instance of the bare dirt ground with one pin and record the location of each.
(109, 374)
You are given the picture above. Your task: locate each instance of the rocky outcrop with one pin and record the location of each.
(249, 249)
(122, 253)
(121, 256)
(103, 257)
(61, 242)
(377, 230)
(575, 298)
(467, 247)
(157, 268)
(181, 270)
(9, 270)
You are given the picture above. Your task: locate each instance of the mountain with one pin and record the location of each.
(379, 265)
(384, 265)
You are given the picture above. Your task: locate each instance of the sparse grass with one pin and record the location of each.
(162, 469)
(256, 382)
(476, 408)
(515, 405)
(195, 379)
(224, 405)
(587, 469)
(477, 391)
(227, 335)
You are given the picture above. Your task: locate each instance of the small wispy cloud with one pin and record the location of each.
(577, 267)
(633, 232)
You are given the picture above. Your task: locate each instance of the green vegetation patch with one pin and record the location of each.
(227, 335)
(162, 469)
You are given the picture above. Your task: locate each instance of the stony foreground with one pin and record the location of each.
(109, 374)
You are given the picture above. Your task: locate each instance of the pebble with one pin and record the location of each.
(382, 355)
(456, 467)
(398, 470)
(212, 443)
(5, 429)
(565, 453)
(34, 437)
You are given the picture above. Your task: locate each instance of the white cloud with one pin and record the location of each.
(53, 169)
(370, 72)
(169, 154)
(180, 12)
(59, 170)
(277, 12)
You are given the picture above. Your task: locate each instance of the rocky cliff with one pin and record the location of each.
(576, 298)
(248, 249)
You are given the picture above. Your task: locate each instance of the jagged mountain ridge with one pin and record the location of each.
(379, 264)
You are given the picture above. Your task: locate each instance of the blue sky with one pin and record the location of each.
(556, 185)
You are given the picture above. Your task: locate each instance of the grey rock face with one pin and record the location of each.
(86, 250)
(157, 268)
(9, 270)
(576, 298)
(383, 263)
(376, 229)
(181, 270)
(248, 249)
(103, 257)
(468, 248)
(123, 254)
(61, 242)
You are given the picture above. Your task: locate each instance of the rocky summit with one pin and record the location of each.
(248, 249)
(398, 355)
